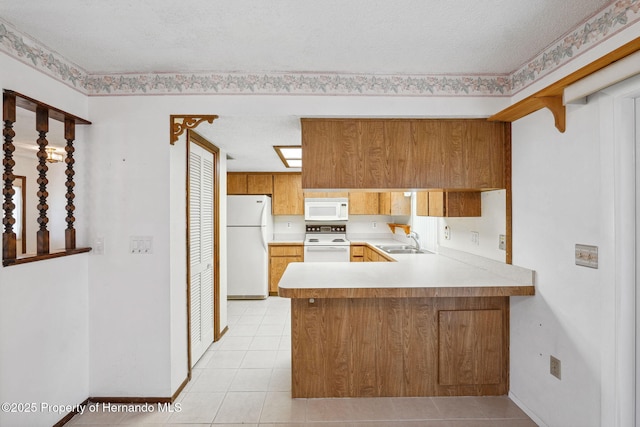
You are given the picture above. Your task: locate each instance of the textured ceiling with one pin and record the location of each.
(356, 36)
(372, 37)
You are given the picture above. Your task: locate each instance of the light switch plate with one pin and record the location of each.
(587, 256)
(99, 249)
(141, 245)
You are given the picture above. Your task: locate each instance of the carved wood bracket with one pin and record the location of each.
(557, 108)
(180, 123)
(550, 95)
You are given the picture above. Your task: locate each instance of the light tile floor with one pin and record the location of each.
(245, 380)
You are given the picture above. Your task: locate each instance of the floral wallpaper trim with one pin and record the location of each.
(298, 84)
(610, 20)
(34, 54)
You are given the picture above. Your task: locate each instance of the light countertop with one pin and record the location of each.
(452, 274)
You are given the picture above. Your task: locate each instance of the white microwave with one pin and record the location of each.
(325, 209)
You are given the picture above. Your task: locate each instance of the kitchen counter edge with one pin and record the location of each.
(510, 280)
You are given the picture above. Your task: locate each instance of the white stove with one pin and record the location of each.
(326, 243)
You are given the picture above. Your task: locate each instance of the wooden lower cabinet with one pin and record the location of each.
(373, 347)
(279, 258)
(357, 253)
(371, 255)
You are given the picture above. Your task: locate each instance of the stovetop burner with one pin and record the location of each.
(329, 235)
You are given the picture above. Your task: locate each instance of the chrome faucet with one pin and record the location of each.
(415, 236)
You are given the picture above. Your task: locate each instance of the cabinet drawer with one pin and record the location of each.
(357, 250)
(286, 250)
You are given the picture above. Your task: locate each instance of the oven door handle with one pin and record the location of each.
(326, 248)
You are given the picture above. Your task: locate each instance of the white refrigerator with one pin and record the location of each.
(249, 230)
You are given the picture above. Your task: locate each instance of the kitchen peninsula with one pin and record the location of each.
(428, 325)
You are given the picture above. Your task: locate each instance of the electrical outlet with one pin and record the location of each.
(502, 242)
(289, 224)
(374, 224)
(475, 237)
(447, 232)
(555, 367)
(587, 256)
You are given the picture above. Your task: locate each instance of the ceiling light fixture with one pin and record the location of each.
(53, 156)
(291, 155)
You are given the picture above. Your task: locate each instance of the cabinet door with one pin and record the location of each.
(404, 153)
(394, 203)
(287, 195)
(259, 184)
(437, 203)
(357, 253)
(468, 203)
(370, 255)
(449, 204)
(363, 203)
(277, 265)
(286, 250)
(422, 203)
(236, 183)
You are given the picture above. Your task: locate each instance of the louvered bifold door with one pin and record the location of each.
(201, 171)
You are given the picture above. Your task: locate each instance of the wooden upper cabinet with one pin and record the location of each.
(324, 194)
(449, 204)
(260, 183)
(404, 153)
(236, 183)
(249, 183)
(363, 203)
(394, 203)
(287, 195)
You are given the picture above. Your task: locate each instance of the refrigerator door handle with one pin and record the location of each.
(263, 227)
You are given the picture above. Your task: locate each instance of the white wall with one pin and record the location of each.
(557, 199)
(44, 334)
(489, 227)
(130, 298)
(178, 251)
(288, 227)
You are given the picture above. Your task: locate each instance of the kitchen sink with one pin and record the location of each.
(392, 247)
(401, 249)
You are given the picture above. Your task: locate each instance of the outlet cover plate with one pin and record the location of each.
(475, 237)
(555, 367)
(587, 256)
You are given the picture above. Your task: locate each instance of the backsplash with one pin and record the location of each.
(489, 226)
(292, 227)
